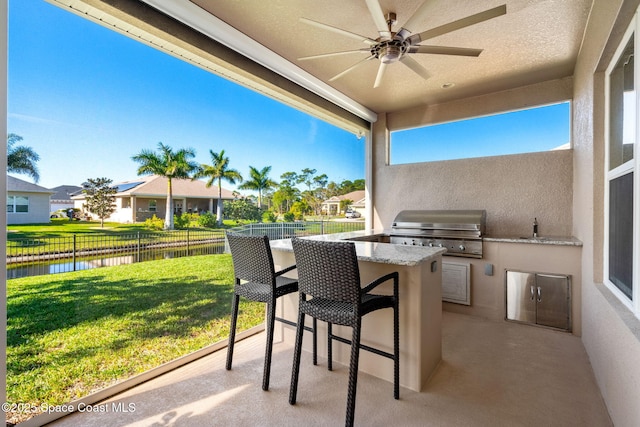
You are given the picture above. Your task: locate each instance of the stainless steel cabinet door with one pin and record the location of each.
(552, 297)
(521, 296)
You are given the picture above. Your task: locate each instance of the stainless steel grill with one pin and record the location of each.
(459, 231)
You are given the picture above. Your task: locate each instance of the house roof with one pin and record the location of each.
(156, 186)
(19, 186)
(354, 196)
(64, 192)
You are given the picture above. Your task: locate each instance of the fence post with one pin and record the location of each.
(321, 226)
(138, 249)
(74, 252)
(187, 241)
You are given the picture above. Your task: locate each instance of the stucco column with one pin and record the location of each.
(134, 209)
(377, 157)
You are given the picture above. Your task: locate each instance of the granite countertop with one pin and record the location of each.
(542, 240)
(384, 253)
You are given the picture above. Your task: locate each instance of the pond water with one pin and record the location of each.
(67, 264)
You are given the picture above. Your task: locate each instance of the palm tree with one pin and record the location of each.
(21, 159)
(217, 171)
(259, 181)
(168, 164)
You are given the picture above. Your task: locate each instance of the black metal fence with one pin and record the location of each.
(49, 255)
(286, 230)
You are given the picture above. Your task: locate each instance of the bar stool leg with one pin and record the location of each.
(295, 371)
(271, 318)
(232, 332)
(315, 341)
(329, 346)
(396, 351)
(353, 374)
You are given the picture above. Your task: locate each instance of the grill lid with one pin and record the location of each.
(471, 222)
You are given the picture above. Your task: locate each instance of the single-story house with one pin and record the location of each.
(61, 198)
(331, 206)
(144, 197)
(27, 203)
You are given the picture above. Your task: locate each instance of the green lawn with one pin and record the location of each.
(71, 334)
(59, 227)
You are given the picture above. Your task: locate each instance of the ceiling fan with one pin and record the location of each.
(396, 46)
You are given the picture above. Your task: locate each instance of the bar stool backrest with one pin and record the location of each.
(328, 269)
(252, 258)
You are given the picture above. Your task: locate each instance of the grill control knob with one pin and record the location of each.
(440, 245)
(461, 247)
(430, 244)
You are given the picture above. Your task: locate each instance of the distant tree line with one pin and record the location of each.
(281, 198)
(274, 199)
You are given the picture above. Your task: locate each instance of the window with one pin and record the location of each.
(532, 130)
(621, 189)
(17, 204)
(153, 205)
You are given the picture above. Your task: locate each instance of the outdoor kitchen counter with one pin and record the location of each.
(372, 251)
(420, 289)
(542, 240)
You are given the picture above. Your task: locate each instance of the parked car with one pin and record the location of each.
(352, 214)
(63, 213)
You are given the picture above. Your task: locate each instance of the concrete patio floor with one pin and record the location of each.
(492, 374)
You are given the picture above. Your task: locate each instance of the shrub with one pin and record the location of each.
(299, 209)
(268, 216)
(207, 219)
(181, 221)
(242, 209)
(289, 217)
(154, 223)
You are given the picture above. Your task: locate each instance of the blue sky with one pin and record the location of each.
(86, 99)
(539, 129)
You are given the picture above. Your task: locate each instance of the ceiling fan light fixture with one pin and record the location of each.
(390, 54)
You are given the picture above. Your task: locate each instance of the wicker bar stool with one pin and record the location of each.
(329, 287)
(257, 280)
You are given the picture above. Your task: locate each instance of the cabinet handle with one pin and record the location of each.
(533, 293)
(539, 294)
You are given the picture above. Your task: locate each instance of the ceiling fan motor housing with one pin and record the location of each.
(389, 51)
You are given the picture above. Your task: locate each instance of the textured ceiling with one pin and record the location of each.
(536, 40)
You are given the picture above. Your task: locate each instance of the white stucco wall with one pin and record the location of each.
(611, 334)
(512, 189)
(38, 209)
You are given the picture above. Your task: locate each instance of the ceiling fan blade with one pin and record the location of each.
(422, 12)
(378, 18)
(353, 67)
(381, 70)
(358, 37)
(415, 67)
(327, 55)
(445, 50)
(460, 23)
